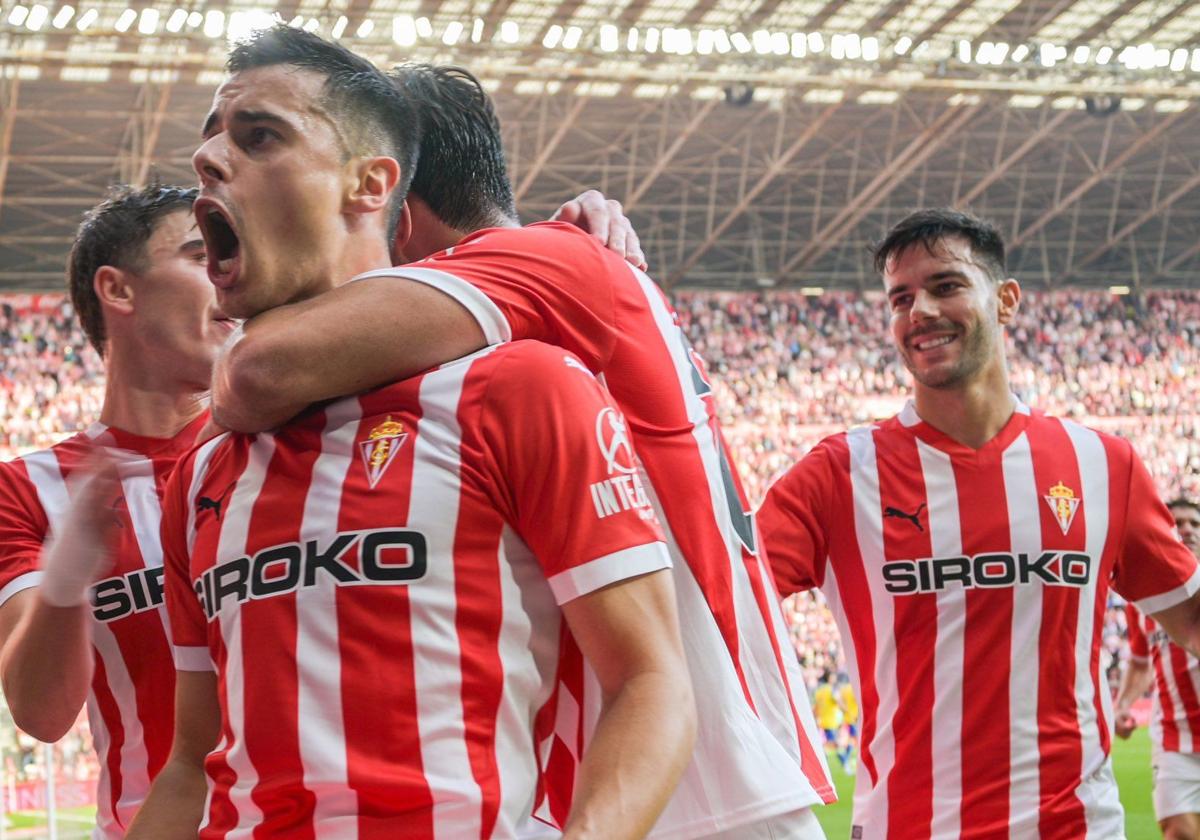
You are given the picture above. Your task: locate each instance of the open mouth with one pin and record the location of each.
(932, 342)
(220, 241)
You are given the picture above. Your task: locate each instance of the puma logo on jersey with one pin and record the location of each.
(991, 570)
(204, 503)
(123, 595)
(385, 557)
(914, 517)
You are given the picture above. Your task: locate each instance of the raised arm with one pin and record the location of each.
(46, 663)
(629, 634)
(365, 334)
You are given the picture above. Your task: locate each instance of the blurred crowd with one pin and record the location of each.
(788, 369)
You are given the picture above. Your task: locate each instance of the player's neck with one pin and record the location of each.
(973, 413)
(137, 402)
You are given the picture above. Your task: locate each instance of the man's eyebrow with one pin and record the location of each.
(192, 244)
(244, 116)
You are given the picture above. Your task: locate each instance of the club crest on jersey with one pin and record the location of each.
(1063, 504)
(380, 448)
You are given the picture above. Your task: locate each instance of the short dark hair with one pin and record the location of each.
(115, 232)
(371, 114)
(931, 226)
(1183, 502)
(461, 171)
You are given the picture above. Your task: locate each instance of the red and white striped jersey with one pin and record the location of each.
(969, 587)
(132, 699)
(1175, 718)
(377, 585)
(756, 755)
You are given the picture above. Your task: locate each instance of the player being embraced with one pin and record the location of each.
(757, 769)
(366, 603)
(966, 547)
(138, 285)
(1174, 673)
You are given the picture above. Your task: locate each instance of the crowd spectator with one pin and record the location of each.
(788, 369)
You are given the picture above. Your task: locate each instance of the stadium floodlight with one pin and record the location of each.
(983, 53)
(1000, 52)
(1020, 53)
(780, 44)
(177, 19)
(311, 25)
(1179, 60)
(1162, 55)
(194, 19)
(148, 21)
(610, 38)
(705, 42)
(650, 45)
(1082, 53)
(214, 23)
(853, 47)
(870, 48)
(63, 16)
(964, 51)
(631, 40)
(454, 31)
(38, 15)
(1196, 59)
(1119, 290)
(125, 20)
(1104, 55)
(799, 45)
(837, 47)
(816, 43)
(1047, 55)
(477, 31)
(87, 19)
(366, 28)
(686, 43)
(740, 42)
(18, 14)
(244, 24)
(761, 39)
(721, 41)
(572, 38)
(424, 27)
(339, 27)
(669, 40)
(510, 32)
(552, 37)
(404, 30)
(812, 291)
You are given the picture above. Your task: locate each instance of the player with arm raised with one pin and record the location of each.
(138, 285)
(366, 603)
(756, 767)
(966, 547)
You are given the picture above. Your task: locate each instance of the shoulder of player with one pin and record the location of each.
(1112, 443)
(520, 361)
(544, 240)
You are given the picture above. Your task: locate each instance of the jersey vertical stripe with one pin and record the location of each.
(1023, 537)
(1175, 714)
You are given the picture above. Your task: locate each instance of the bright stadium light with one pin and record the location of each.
(125, 20)
(870, 49)
(1020, 53)
(686, 43)
(572, 37)
(670, 39)
(1196, 59)
(651, 43)
(177, 19)
(339, 27)
(366, 28)
(553, 37)
(243, 24)
(610, 38)
(214, 23)
(1162, 55)
(837, 47)
(404, 30)
(705, 42)
(1046, 55)
(780, 44)
(761, 39)
(18, 14)
(721, 41)
(740, 42)
(853, 47)
(1000, 53)
(63, 16)
(964, 51)
(902, 46)
(424, 27)
(799, 45)
(38, 16)
(631, 41)
(87, 19)
(454, 31)
(510, 32)
(1179, 60)
(148, 21)
(1104, 55)
(816, 43)
(311, 25)
(1119, 290)
(477, 31)
(1082, 54)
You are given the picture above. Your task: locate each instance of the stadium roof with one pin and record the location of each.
(757, 144)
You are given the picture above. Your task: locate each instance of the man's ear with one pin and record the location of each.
(371, 184)
(113, 288)
(404, 232)
(1009, 294)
